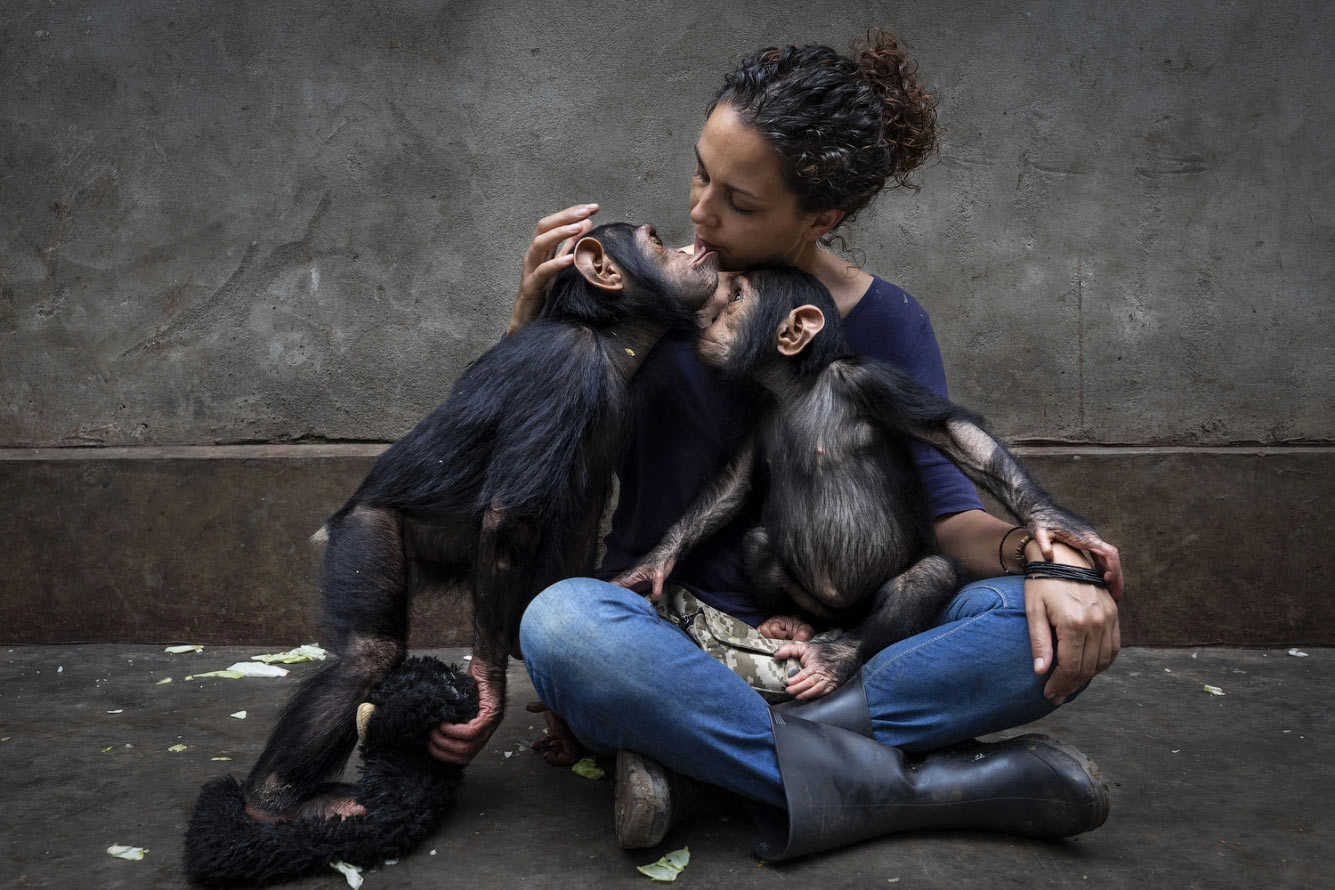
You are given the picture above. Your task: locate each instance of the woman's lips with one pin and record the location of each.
(702, 249)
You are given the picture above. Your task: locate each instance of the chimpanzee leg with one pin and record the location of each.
(905, 605)
(775, 586)
(508, 570)
(365, 603)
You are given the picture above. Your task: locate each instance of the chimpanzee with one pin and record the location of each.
(500, 489)
(845, 532)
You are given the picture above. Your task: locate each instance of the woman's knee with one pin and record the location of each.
(988, 595)
(573, 615)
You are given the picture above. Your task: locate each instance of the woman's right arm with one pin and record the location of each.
(547, 255)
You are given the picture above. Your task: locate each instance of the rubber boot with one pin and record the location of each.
(846, 707)
(842, 788)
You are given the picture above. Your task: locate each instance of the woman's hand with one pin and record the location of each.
(1082, 618)
(547, 255)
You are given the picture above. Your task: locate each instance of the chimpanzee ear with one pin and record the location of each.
(798, 329)
(597, 267)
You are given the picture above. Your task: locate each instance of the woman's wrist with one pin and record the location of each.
(1062, 553)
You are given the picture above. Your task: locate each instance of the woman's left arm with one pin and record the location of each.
(1081, 617)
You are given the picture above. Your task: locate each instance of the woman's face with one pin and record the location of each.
(740, 205)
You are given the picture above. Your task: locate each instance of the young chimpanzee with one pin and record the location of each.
(500, 489)
(845, 532)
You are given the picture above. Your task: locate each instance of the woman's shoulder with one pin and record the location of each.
(888, 322)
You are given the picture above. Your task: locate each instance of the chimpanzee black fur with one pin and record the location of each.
(499, 490)
(405, 792)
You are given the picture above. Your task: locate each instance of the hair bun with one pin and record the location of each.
(909, 110)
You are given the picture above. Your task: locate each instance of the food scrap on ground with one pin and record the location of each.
(121, 851)
(254, 669)
(667, 868)
(351, 872)
(1213, 690)
(299, 655)
(226, 675)
(588, 768)
(240, 715)
(181, 650)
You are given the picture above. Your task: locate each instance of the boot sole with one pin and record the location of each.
(643, 808)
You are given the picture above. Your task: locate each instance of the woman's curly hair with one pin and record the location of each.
(842, 126)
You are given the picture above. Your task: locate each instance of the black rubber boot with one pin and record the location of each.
(846, 707)
(842, 788)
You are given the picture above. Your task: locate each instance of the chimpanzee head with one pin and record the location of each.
(775, 315)
(622, 272)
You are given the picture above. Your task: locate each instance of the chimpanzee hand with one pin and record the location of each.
(559, 747)
(826, 664)
(786, 627)
(546, 256)
(460, 742)
(1052, 523)
(653, 570)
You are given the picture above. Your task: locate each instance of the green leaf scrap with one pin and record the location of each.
(667, 868)
(587, 768)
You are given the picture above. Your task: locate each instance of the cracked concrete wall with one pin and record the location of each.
(255, 222)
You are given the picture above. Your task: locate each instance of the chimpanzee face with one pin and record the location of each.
(692, 278)
(725, 335)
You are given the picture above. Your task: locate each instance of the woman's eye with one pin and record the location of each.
(742, 210)
(701, 175)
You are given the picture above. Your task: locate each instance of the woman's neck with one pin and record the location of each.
(846, 283)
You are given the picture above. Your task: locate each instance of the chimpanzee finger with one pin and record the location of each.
(1111, 565)
(1044, 541)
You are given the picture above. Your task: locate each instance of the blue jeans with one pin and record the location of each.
(622, 677)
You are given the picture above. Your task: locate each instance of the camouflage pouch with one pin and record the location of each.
(737, 644)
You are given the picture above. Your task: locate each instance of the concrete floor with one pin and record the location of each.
(1211, 792)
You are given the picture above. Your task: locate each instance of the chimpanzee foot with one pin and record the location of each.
(333, 801)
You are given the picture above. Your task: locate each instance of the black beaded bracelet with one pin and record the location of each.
(1063, 572)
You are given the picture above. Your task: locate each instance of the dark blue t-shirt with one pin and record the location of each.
(690, 422)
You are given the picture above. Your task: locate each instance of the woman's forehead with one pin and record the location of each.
(735, 154)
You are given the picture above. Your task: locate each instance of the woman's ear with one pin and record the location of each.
(822, 224)
(799, 328)
(597, 267)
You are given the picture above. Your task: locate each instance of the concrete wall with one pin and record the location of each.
(296, 223)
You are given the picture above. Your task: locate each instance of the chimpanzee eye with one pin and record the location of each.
(736, 293)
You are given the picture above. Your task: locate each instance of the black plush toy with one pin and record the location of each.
(404, 790)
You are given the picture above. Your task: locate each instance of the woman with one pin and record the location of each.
(796, 143)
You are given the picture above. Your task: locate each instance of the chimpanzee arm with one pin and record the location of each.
(901, 403)
(507, 548)
(719, 502)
